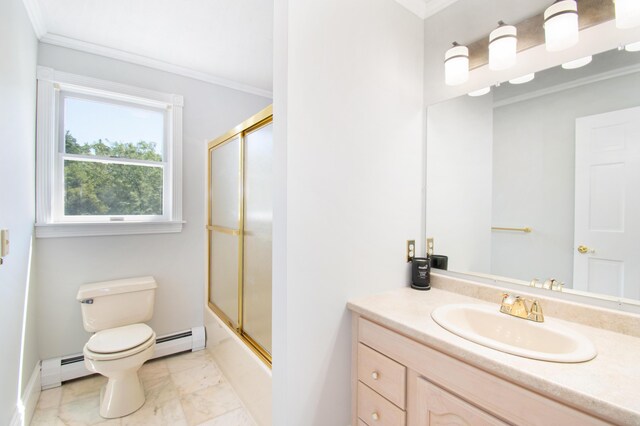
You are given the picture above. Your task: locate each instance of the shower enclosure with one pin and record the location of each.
(239, 230)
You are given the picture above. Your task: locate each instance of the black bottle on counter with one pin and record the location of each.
(421, 273)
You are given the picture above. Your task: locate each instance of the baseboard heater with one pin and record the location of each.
(58, 370)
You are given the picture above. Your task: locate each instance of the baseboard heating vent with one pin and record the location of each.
(55, 371)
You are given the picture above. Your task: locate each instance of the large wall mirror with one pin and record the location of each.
(559, 156)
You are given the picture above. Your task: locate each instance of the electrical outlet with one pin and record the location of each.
(429, 246)
(411, 250)
(4, 242)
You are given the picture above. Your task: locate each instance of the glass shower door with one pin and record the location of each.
(225, 229)
(258, 207)
(239, 229)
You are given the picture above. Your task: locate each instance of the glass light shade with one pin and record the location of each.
(456, 65)
(503, 43)
(524, 79)
(571, 65)
(480, 92)
(633, 47)
(627, 13)
(561, 25)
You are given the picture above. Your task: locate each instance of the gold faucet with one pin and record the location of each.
(517, 306)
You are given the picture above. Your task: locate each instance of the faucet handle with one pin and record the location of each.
(506, 303)
(535, 312)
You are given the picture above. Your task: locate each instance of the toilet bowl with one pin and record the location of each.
(115, 312)
(118, 354)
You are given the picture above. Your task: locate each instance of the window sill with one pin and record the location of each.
(62, 230)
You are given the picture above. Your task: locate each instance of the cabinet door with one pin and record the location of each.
(436, 407)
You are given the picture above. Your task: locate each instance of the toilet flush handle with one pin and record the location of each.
(87, 301)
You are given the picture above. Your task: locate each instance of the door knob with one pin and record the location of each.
(585, 249)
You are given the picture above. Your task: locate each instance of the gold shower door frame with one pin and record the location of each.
(259, 120)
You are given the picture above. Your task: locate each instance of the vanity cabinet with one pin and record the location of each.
(436, 406)
(399, 381)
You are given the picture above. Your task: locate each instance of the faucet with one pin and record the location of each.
(517, 306)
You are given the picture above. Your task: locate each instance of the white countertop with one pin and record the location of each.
(607, 386)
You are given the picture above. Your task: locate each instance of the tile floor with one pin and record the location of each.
(185, 389)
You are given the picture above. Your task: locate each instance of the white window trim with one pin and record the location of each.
(50, 82)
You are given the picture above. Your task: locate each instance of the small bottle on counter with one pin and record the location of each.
(421, 273)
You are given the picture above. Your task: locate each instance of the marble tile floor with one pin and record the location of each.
(185, 389)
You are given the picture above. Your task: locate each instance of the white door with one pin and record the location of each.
(607, 204)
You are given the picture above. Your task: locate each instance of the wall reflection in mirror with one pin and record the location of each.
(560, 155)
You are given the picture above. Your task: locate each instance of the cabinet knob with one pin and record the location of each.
(375, 375)
(375, 416)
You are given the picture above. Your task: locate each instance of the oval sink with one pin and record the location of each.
(486, 325)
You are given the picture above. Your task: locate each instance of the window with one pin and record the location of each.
(108, 158)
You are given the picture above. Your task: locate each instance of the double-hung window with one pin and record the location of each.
(108, 158)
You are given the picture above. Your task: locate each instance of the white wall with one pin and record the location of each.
(459, 159)
(176, 260)
(534, 169)
(17, 132)
(348, 90)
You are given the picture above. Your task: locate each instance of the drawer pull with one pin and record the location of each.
(375, 375)
(375, 416)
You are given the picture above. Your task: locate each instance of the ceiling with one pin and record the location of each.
(227, 42)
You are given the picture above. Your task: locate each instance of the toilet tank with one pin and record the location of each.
(110, 304)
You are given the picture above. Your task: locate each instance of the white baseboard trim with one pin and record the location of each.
(31, 395)
(16, 420)
(28, 400)
(56, 370)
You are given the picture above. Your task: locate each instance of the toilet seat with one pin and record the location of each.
(119, 342)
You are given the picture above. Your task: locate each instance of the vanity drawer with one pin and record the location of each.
(382, 374)
(375, 410)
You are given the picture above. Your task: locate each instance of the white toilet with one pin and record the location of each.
(115, 311)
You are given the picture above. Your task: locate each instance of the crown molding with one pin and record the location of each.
(425, 8)
(121, 55)
(434, 6)
(417, 7)
(35, 16)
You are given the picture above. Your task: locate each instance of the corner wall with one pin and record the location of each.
(18, 51)
(175, 260)
(349, 134)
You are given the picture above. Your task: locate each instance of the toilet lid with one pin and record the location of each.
(119, 339)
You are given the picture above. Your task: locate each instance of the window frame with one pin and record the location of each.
(53, 87)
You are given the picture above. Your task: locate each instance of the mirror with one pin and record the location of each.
(559, 155)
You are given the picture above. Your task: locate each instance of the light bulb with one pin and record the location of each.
(503, 43)
(561, 25)
(480, 92)
(456, 65)
(524, 79)
(627, 13)
(577, 63)
(633, 47)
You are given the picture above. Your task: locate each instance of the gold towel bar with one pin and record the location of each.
(525, 229)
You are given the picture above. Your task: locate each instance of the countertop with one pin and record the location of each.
(607, 386)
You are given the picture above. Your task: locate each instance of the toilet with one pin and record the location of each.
(115, 311)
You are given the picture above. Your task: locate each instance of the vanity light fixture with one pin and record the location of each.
(480, 92)
(561, 25)
(503, 43)
(456, 65)
(627, 13)
(633, 47)
(571, 65)
(524, 79)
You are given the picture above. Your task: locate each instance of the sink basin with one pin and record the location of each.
(486, 325)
